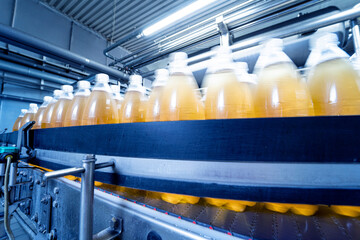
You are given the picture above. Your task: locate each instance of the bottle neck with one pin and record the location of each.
(83, 92)
(101, 86)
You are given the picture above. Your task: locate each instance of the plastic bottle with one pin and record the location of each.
(117, 97)
(30, 114)
(243, 76)
(179, 101)
(153, 107)
(280, 92)
(227, 96)
(142, 107)
(132, 100)
(49, 109)
(75, 111)
(100, 107)
(332, 79)
(17, 123)
(61, 106)
(40, 113)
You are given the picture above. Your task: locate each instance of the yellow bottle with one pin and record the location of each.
(332, 80)
(100, 107)
(152, 111)
(49, 109)
(243, 76)
(179, 101)
(132, 100)
(17, 123)
(143, 106)
(30, 114)
(61, 106)
(117, 97)
(226, 96)
(74, 114)
(40, 113)
(280, 92)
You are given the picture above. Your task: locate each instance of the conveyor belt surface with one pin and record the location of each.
(256, 222)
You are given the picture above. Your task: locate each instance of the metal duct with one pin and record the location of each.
(16, 68)
(17, 38)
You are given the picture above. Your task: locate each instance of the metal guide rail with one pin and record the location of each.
(296, 160)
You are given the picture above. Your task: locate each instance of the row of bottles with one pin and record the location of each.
(331, 89)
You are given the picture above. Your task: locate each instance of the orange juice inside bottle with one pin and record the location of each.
(226, 96)
(350, 211)
(152, 111)
(242, 74)
(17, 123)
(117, 97)
(142, 108)
(61, 106)
(332, 80)
(30, 114)
(49, 109)
(100, 107)
(132, 101)
(40, 113)
(180, 101)
(74, 114)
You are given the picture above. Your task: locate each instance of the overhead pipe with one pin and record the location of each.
(20, 39)
(26, 71)
(28, 80)
(23, 99)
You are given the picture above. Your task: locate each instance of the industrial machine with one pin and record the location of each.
(308, 160)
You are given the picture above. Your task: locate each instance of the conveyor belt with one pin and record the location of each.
(256, 222)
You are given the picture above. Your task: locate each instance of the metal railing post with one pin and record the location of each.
(87, 198)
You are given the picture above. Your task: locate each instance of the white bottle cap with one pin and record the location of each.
(102, 77)
(161, 77)
(23, 111)
(57, 92)
(178, 56)
(83, 84)
(115, 88)
(135, 83)
(274, 43)
(47, 98)
(33, 107)
(67, 88)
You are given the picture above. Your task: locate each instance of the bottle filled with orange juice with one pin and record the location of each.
(152, 112)
(117, 97)
(332, 80)
(74, 113)
(101, 106)
(30, 114)
(132, 100)
(61, 106)
(226, 96)
(180, 101)
(49, 109)
(17, 123)
(280, 91)
(40, 113)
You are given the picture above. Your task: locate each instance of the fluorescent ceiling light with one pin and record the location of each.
(176, 16)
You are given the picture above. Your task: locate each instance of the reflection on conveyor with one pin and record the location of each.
(256, 222)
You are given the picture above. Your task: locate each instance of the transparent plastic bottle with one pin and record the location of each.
(17, 123)
(226, 96)
(101, 106)
(350, 211)
(280, 91)
(74, 113)
(40, 113)
(179, 101)
(142, 107)
(30, 114)
(49, 109)
(332, 79)
(132, 100)
(153, 107)
(117, 97)
(61, 106)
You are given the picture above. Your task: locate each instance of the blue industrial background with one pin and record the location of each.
(36, 19)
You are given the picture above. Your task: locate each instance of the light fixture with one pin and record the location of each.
(193, 7)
